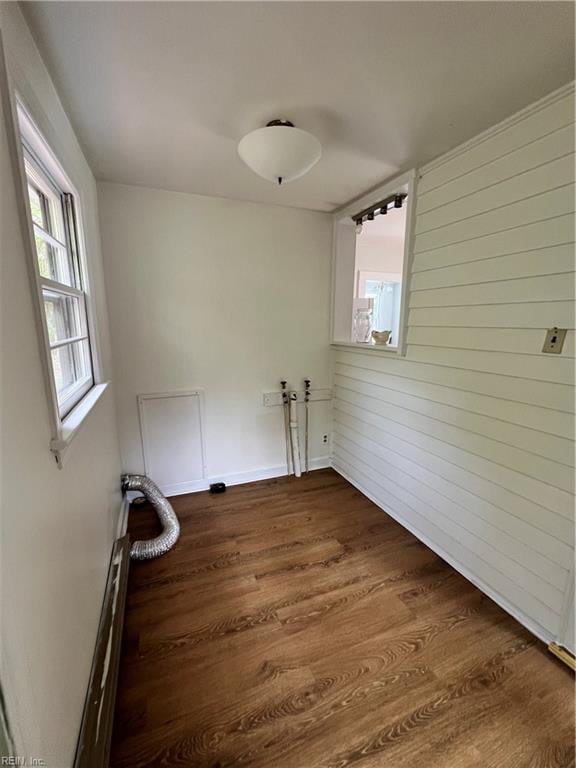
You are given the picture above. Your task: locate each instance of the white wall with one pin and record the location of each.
(227, 296)
(57, 525)
(379, 254)
(380, 245)
(468, 440)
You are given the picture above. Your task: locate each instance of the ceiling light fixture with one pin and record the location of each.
(396, 201)
(280, 152)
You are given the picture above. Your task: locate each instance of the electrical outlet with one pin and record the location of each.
(272, 398)
(554, 340)
(325, 439)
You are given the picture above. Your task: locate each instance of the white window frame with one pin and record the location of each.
(343, 217)
(67, 417)
(41, 180)
(363, 276)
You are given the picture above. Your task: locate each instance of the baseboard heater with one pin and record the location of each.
(93, 749)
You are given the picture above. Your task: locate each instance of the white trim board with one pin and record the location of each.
(238, 478)
(532, 626)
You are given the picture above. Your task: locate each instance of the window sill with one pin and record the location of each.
(70, 426)
(380, 349)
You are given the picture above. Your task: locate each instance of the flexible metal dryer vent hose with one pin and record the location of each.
(146, 550)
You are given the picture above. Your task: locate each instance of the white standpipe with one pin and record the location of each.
(287, 437)
(294, 434)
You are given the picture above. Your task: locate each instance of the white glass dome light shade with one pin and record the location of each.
(280, 152)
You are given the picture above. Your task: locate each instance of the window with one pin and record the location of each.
(385, 292)
(59, 276)
(370, 268)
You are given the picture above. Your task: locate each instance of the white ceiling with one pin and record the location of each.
(160, 93)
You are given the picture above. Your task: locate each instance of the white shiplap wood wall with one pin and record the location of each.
(468, 439)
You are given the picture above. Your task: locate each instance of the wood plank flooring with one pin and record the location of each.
(295, 625)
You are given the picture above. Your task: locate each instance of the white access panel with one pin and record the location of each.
(172, 426)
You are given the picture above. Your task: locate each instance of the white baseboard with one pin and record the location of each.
(526, 621)
(178, 489)
(237, 478)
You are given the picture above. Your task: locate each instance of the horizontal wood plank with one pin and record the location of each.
(523, 290)
(547, 205)
(545, 314)
(557, 397)
(538, 442)
(545, 495)
(459, 471)
(530, 183)
(536, 153)
(538, 236)
(558, 476)
(552, 368)
(527, 341)
(547, 261)
(533, 417)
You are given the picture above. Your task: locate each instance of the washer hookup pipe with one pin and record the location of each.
(294, 434)
(307, 423)
(287, 435)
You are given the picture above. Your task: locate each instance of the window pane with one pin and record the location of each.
(49, 199)
(53, 262)
(64, 373)
(387, 296)
(45, 259)
(36, 206)
(71, 365)
(64, 316)
(56, 217)
(84, 359)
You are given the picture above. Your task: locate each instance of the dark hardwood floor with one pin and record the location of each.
(295, 625)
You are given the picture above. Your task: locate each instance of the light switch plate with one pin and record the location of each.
(272, 398)
(554, 340)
